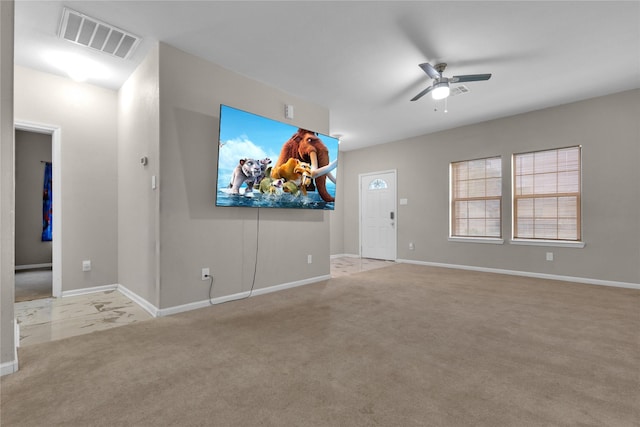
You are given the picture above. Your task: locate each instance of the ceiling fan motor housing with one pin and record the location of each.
(440, 67)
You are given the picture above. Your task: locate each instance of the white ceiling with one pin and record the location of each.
(360, 59)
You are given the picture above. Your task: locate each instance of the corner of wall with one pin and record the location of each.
(8, 337)
(138, 202)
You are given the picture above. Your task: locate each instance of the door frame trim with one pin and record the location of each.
(56, 154)
(395, 208)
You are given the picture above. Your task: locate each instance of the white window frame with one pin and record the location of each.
(546, 242)
(473, 239)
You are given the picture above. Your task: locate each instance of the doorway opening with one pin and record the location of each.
(37, 252)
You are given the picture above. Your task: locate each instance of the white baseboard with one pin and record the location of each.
(9, 368)
(33, 266)
(289, 285)
(147, 306)
(201, 304)
(143, 303)
(584, 280)
(85, 291)
(12, 366)
(161, 312)
(241, 295)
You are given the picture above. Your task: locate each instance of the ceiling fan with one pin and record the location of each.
(440, 87)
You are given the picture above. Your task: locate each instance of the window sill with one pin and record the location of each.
(554, 243)
(490, 240)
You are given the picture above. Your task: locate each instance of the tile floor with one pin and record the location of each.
(347, 265)
(50, 319)
(33, 284)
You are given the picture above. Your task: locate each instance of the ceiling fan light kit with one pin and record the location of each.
(440, 88)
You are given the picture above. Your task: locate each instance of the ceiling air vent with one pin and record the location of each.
(90, 32)
(459, 90)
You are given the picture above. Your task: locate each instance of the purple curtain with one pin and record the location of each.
(47, 206)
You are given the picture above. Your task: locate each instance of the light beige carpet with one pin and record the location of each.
(404, 345)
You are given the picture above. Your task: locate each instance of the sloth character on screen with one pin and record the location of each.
(305, 146)
(269, 185)
(294, 171)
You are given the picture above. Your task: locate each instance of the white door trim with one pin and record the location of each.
(55, 132)
(395, 208)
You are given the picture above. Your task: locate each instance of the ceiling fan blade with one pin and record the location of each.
(423, 93)
(428, 68)
(470, 78)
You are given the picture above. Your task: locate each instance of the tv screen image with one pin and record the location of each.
(266, 163)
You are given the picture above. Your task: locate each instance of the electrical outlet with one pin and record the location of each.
(549, 256)
(86, 265)
(309, 259)
(205, 274)
(411, 246)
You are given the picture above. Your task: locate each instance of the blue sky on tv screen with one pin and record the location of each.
(247, 135)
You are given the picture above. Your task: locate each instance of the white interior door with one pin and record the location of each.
(378, 215)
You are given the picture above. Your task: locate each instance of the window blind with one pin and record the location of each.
(476, 198)
(546, 202)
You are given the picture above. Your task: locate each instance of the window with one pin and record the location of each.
(546, 197)
(377, 184)
(476, 198)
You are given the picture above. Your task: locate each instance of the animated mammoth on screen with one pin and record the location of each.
(305, 146)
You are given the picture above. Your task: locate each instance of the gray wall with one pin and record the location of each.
(196, 234)
(608, 130)
(31, 149)
(86, 116)
(7, 343)
(336, 217)
(138, 136)
(113, 217)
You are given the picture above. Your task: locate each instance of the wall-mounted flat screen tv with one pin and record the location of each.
(265, 163)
